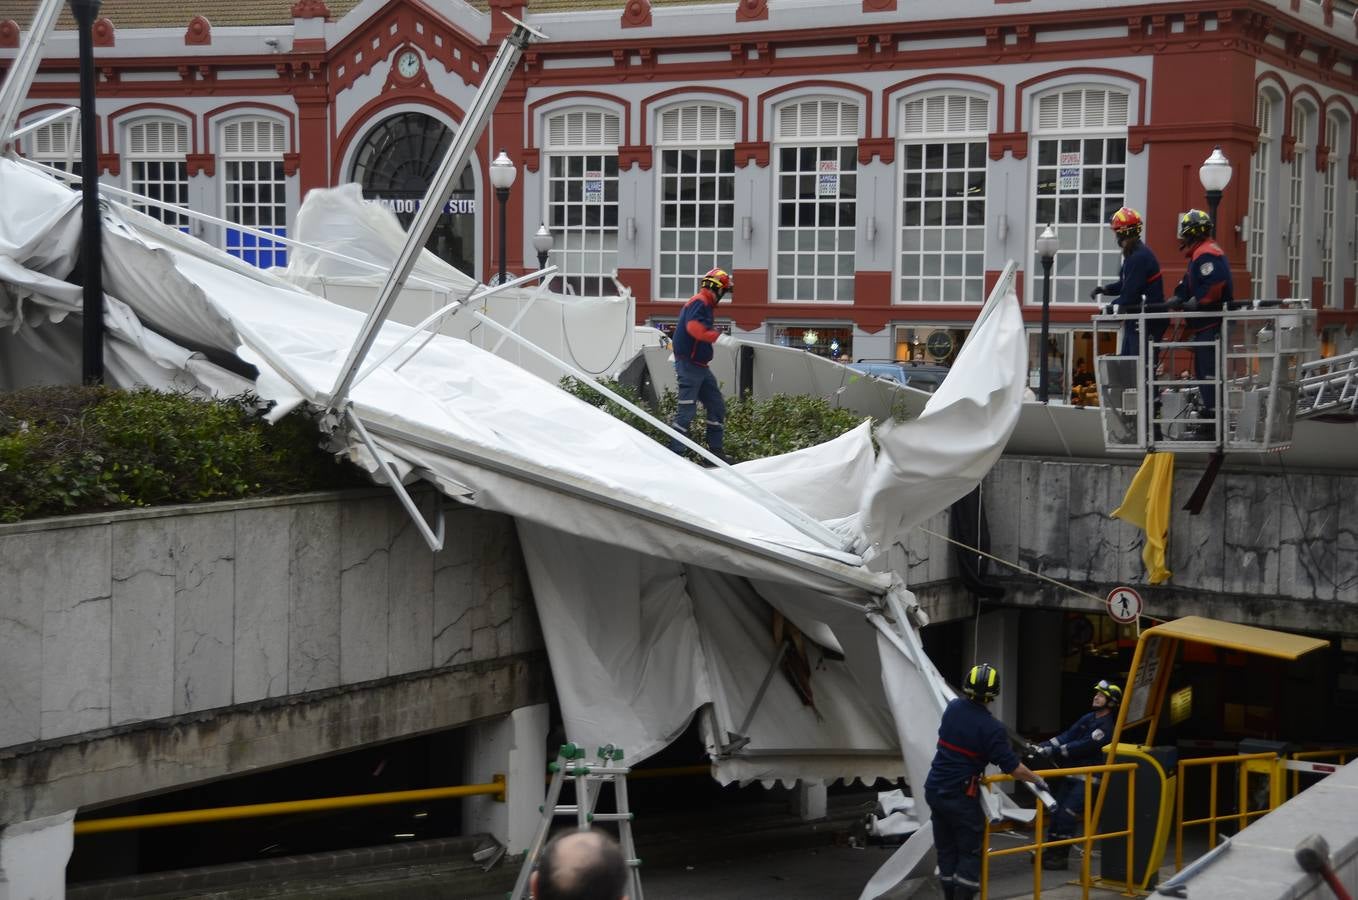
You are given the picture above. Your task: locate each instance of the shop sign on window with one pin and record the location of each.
(829, 178)
(594, 187)
(1069, 177)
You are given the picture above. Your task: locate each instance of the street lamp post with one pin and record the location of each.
(502, 174)
(542, 243)
(1215, 174)
(1047, 245)
(91, 245)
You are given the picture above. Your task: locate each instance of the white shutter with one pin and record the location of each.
(1082, 109)
(978, 115)
(818, 119)
(253, 137)
(698, 123)
(912, 118)
(583, 129)
(158, 138)
(1263, 115)
(57, 139)
(945, 114)
(1049, 112)
(1117, 110)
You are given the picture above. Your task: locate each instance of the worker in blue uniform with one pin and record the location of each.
(1206, 287)
(694, 337)
(1139, 278)
(1079, 745)
(969, 739)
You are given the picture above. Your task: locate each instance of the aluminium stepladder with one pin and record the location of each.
(589, 779)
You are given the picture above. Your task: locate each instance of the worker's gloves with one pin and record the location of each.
(1096, 292)
(1053, 748)
(1041, 785)
(725, 340)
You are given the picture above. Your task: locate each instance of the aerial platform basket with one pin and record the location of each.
(1188, 390)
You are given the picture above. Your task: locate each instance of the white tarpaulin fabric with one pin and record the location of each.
(928, 463)
(664, 589)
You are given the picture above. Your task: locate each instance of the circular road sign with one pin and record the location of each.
(1124, 604)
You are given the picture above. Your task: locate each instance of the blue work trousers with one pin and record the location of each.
(697, 385)
(1068, 819)
(1205, 365)
(958, 826)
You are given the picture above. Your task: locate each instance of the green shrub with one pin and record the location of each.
(76, 449)
(754, 428)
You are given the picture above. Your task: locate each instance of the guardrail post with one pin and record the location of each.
(516, 745)
(33, 858)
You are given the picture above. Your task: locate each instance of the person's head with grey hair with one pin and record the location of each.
(580, 865)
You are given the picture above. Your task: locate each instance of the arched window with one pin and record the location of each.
(582, 197)
(943, 198)
(817, 150)
(697, 194)
(1080, 158)
(1296, 197)
(1334, 127)
(1261, 181)
(255, 189)
(56, 144)
(156, 151)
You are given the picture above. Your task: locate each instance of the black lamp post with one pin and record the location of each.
(542, 243)
(1215, 174)
(502, 174)
(91, 246)
(1047, 245)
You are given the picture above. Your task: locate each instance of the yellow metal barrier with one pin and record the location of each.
(222, 813)
(1339, 756)
(1263, 763)
(1087, 838)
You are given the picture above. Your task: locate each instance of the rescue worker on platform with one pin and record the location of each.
(1206, 287)
(694, 336)
(969, 739)
(1139, 279)
(1079, 745)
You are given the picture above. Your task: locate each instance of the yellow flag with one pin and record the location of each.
(1146, 505)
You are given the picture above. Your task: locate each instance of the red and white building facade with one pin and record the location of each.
(865, 168)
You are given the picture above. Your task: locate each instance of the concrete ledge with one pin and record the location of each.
(115, 765)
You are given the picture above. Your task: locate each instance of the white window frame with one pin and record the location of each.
(945, 119)
(147, 167)
(1295, 255)
(263, 199)
(811, 259)
(695, 221)
(1088, 255)
(56, 144)
(1329, 212)
(580, 184)
(1261, 229)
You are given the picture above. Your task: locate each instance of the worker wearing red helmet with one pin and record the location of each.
(694, 337)
(1139, 278)
(1206, 286)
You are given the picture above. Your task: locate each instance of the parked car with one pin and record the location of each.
(918, 375)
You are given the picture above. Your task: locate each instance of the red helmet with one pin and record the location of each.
(1126, 223)
(719, 281)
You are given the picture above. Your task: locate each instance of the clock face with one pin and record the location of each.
(408, 64)
(940, 344)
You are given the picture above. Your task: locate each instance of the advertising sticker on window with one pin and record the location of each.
(1069, 178)
(829, 178)
(594, 187)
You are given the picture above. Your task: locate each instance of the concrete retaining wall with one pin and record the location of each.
(141, 615)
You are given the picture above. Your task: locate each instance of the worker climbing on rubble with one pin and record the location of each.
(1206, 286)
(694, 337)
(969, 739)
(1139, 278)
(1079, 745)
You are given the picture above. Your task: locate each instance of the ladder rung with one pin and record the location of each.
(611, 817)
(634, 863)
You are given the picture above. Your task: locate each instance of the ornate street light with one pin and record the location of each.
(502, 174)
(1215, 174)
(542, 243)
(1047, 245)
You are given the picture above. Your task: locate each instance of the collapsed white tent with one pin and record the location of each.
(659, 584)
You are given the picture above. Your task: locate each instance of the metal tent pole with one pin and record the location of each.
(25, 66)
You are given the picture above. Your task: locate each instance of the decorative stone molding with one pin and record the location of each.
(752, 151)
(9, 33)
(752, 11)
(199, 32)
(291, 163)
(882, 148)
(103, 32)
(637, 14)
(204, 163)
(310, 9)
(879, 5)
(1014, 143)
(630, 155)
(110, 164)
(531, 157)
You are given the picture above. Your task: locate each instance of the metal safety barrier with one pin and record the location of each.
(221, 813)
(1086, 839)
(1242, 814)
(1310, 761)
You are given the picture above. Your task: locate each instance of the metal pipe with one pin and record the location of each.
(255, 810)
(91, 231)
